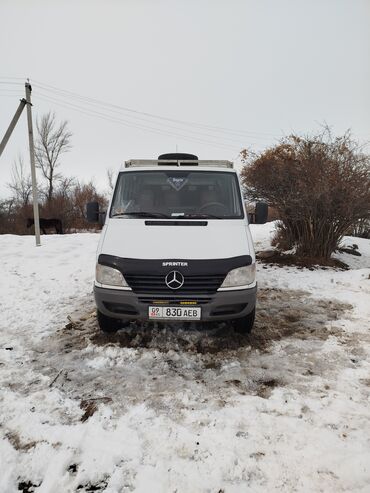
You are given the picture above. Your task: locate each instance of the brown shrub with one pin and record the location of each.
(319, 185)
(67, 204)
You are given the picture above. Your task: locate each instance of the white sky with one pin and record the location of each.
(264, 67)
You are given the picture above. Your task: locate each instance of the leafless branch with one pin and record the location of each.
(53, 140)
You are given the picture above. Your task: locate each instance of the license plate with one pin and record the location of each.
(174, 313)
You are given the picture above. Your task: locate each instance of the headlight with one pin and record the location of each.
(109, 276)
(240, 276)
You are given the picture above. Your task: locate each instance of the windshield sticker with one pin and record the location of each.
(176, 182)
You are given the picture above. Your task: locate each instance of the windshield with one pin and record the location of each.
(177, 194)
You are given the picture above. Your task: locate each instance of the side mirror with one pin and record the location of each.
(261, 213)
(102, 216)
(92, 212)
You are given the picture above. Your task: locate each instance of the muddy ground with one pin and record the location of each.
(155, 364)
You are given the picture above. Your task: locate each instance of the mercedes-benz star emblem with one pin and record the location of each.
(174, 279)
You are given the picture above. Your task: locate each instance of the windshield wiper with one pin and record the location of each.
(201, 216)
(142, 214)
(166, 216)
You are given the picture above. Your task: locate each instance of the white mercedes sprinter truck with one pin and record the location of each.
(175, 245)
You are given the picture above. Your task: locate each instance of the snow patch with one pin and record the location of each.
(166, 408)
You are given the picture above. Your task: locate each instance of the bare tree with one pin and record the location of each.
(66, 185)
(20, 184)
(52, 141)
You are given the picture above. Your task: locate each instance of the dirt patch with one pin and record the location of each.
(280, 314)
(262, 388)
(173, 367)
(265, 388)
(90, 406)
(19, 444)
(311, 263)
(283, 314)
(89, 487)
(27, 486)
(175, 337)
(72, 469)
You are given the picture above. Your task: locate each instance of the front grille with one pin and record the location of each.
(206, 284)
(173, 300)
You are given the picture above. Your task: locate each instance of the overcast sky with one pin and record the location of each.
(259, 68)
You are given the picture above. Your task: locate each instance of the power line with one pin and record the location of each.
(54, 89)
(172, 127)
(12, 78)
(59, 96)
(129, 124)
(11, 83)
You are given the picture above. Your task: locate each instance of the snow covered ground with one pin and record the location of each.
(171, 409)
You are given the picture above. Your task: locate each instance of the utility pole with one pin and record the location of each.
(13, 123)
(8, 133)
(33, 168)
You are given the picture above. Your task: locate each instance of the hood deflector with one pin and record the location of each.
(132, 266)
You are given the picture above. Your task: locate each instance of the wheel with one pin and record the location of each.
(109, 324)
(245, 324)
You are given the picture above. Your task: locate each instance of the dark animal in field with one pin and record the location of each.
(47, 224)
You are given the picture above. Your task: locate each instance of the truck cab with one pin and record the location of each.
(175, 245)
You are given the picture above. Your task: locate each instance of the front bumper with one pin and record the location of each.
(223, 305)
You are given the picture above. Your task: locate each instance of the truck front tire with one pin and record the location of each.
(109, 325)
(245, 324)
